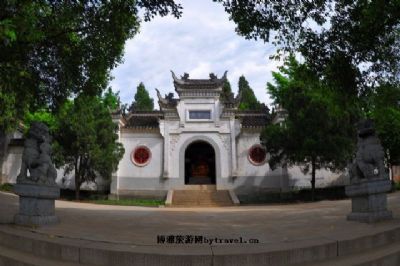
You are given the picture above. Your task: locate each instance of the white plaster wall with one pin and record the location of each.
(196, 104)
(153, 169)
(12, 164)
(16, 135)
(65, 182)
(323, 178)
(68, 182)
(245, 168)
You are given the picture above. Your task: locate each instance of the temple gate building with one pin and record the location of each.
(198, 138)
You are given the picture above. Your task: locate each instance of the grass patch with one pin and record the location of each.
(101, 197)
(6, 187)
(130, 202)
(397, 185)
(294, 196)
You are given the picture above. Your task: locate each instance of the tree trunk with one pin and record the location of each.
(313, 179)
(77, 181)
(3, 148)
(390, 166)
(391, 177)
(77, 189)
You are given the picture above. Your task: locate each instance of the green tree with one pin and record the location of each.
(51, 50)
(385, 111)
(8, 119)
(360, 36)
(142, 102)
(248, 99)
(315, 134)
(354, 46)
(41, 115)
(111, 99)
(86, 142)
(226, 91)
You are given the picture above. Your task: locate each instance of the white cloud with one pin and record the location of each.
(202, 69)
(202, 41)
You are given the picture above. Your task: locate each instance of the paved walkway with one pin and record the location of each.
(273, 225)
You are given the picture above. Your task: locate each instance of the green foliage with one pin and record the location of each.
(296, 195)
(86, 141)
(7, 187)
(8, 113)
(7, 32)
(226, 91)
(316, 132)
(354, 39)
(385, 111)
(51, 50)
(111, 99)
(248, 100)
(142, 102)
(131, 202)
(41, 115)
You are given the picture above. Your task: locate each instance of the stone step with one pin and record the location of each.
(24, 248)
(11, 257)
(202, 201)
(200, 187)
(200, 198)
(386, 255)
(208, 197)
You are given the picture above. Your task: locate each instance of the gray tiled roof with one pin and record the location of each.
(143, 119)
(199, 85)
(253, 119)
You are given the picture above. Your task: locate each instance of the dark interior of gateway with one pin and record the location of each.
(199, 164)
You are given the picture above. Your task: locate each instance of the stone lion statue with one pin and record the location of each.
(36, 165)
(369, 160)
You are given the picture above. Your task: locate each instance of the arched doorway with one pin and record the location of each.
(199, 164)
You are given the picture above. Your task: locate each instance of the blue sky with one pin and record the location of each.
(203, 40)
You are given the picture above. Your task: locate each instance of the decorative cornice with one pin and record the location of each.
(140, 129)
(198, 93)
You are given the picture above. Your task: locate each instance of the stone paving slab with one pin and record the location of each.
(276, 227)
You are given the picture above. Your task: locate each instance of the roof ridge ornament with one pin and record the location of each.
(181, 80)
(185, 77)
(166, 102)
(224, 76)
(161, 99)
(213, 76)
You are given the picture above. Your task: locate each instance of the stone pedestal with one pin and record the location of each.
(369, 201)
(36, 204)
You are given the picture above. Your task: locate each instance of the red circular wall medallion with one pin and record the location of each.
(141, 156)
(257, 154)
